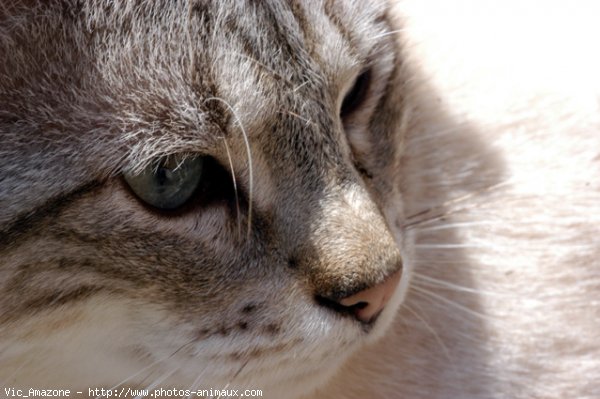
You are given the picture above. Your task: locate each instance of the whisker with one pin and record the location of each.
(457, 225)
(241, 368)
(237, 373)
(194, 386)
(147, 367)
(431, 295)
(439, 212)
(449, 246)
(436, 336)
(235, 190)
(196, 383)
(432, 331)
(439, 262)
(132, 376)
(426, 280)
(249, 156)
(157, 382)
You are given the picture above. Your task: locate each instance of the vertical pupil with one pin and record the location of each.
(163, 175)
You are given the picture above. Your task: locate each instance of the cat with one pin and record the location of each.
(200, 195)
(310, 199)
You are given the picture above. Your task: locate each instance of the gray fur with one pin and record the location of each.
(92, 89)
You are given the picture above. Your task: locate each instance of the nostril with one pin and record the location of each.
(365, 305)
(338, 307)
(359, 305)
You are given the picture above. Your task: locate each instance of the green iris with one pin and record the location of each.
(168, 183)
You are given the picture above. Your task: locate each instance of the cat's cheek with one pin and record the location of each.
(92, 339)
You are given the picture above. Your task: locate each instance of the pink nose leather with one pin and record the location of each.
(370, 302)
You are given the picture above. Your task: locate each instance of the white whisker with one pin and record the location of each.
(132, 376)
(146, 368)
(439, 262)
(457, 225)
(449, 246)
(157, 382)
(194, 386)
(432, 331)
(426, 280)
(440, 211)
(249, 156)
(235, 190)
(237, 373)
(422, 291)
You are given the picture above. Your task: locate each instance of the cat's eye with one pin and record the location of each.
(167, 183)
(357, 94)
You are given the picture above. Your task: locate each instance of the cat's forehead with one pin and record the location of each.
(283, 35)
(284, 44)
(203, 63)
(278, 47)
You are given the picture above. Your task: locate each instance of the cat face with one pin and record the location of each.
(203, 193)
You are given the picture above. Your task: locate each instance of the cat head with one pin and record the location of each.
(208, 192)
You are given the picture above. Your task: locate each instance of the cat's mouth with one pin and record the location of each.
(344, 323)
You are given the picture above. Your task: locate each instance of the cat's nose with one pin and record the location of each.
(352, 261)
(368, 303)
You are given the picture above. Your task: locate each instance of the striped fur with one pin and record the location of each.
(476, 150)
(98, 288)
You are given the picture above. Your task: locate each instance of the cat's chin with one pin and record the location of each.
(288, 380)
